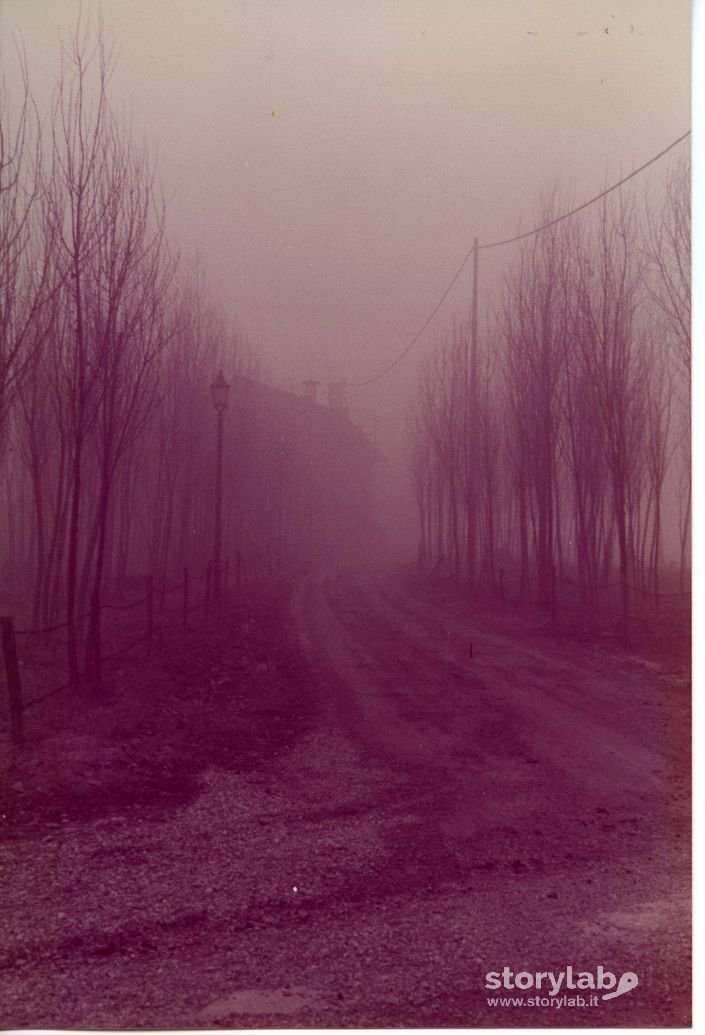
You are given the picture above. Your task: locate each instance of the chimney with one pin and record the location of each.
(311, 390)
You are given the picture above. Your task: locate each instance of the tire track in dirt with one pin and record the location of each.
(514, 783)
(556, 699)
(497, 752)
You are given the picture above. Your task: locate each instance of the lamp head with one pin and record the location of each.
(219, 392)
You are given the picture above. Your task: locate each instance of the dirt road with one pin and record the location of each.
(539, 784)
(353, 825)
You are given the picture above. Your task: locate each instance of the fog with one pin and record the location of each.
(332, 162)
(345, 513)
(326, 167)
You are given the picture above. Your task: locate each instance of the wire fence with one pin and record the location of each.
(43, 639)
(555, 591)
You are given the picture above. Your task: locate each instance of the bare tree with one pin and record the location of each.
(26, 283)
(669, 251)
(536, 328)
(610, 286)
(109, 252)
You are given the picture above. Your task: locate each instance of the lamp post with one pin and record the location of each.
(219, 393)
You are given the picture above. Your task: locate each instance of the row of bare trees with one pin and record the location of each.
(88, 318)
(556, 447)
(86, 277)
(108, 346)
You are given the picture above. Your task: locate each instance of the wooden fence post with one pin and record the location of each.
(185, 607)
(150, 612)
(553, 593)
(208, 586)
(14, 686)
(95, 673)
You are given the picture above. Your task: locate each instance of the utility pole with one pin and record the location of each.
(219, 390)
(471, 431)
(280, 504)
(475, 263)
(218, 545)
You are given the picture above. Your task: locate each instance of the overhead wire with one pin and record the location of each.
(510, 240)
(409, 346)
(586, 204)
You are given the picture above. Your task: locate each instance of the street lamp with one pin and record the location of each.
(219, 393)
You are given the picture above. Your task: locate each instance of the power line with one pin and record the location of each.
(585, 204)
(410, 345)
(510, 240)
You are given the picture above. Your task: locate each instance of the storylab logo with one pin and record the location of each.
(557, 989)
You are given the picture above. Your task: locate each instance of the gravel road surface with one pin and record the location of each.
(453, 792)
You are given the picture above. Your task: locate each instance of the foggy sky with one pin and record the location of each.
(332, 160)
